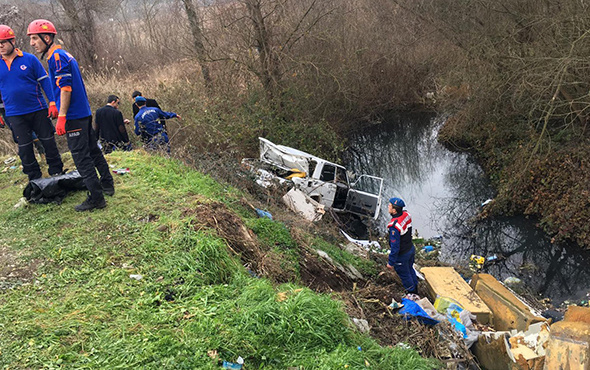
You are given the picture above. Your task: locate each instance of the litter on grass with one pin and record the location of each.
(122, 171)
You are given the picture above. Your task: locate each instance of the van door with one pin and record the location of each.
(364, 197)
(324, 189)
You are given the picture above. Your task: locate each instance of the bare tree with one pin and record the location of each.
(268, 71)
(82, 29)
(197, 33)
(261, 35)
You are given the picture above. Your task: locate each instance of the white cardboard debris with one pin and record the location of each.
(303, 205)
(266, 179)
(362, 243)
(531, 342)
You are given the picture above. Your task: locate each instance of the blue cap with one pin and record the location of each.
(140, 99)
(397, 202)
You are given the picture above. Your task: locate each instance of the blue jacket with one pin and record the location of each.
(65, 73)
(21, 82)
(146, 121)
(400, 236)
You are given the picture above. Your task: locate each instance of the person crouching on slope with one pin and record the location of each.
(75, 117)
(152, 132)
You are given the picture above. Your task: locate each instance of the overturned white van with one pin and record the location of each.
(324, 182)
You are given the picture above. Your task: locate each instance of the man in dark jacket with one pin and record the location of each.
(401, 256)
(110, 127)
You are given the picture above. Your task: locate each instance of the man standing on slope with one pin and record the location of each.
(110, 127)
(21, 76)
(75, 117)
(401, 256)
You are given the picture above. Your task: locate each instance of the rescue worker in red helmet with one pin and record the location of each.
(21, 79)
(401, 256)
(75, 117)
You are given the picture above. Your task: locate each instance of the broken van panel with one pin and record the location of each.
(325, 182)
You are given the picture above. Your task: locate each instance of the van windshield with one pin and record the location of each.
(328, 173)
(341, 175)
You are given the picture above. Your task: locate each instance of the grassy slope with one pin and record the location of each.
(82, 309)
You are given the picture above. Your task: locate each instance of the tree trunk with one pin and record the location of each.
(269, 62)
(83, 30)
(197, 39)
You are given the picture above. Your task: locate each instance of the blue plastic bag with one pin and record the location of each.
(412, 309)
(428, 248)
(263, 214)
(458, 326)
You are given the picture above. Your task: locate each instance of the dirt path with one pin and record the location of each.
(15, 269)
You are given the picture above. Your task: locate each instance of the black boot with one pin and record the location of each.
(108, 189)
(89, 204)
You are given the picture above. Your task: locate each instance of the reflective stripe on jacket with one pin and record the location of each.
(65, 75)
(400, 236)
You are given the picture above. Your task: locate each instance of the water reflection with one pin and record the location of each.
(444, 192)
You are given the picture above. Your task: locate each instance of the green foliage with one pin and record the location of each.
(204, 259)
(274, 329)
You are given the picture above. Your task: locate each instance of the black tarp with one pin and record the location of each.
(53, 189)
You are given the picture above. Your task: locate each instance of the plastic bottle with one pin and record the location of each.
(512, 280)
(121, 171)
(234, 365)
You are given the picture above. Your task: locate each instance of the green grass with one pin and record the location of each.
(82, 310)
(275, 236)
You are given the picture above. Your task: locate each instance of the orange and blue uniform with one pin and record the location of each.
(64, 72)
(402, 253)
(21, 82)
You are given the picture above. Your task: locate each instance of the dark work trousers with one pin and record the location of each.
(87, 156)
(23, 127)
(404, 267)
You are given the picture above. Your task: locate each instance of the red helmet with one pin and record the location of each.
(6, 33)
(41, 26)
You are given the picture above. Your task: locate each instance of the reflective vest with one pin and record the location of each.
(400, 235)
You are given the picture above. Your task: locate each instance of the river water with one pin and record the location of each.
(444, 190)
